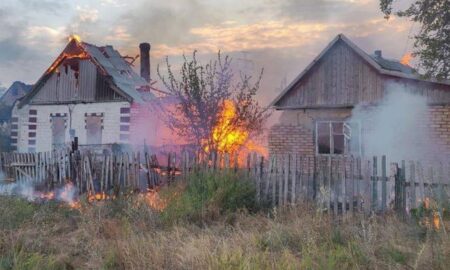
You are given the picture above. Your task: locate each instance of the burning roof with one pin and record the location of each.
(392, 64)
(115, 66)
(121, 77)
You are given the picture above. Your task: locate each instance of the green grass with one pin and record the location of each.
(209, 196)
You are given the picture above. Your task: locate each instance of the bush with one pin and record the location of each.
(207, 196)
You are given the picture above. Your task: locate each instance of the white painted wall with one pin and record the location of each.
(110, 132)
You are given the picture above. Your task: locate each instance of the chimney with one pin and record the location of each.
(378, 54)
(145, 61)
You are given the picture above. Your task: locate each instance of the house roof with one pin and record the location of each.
(381, 65)
(392, 64)
(115, 65)
(122, 78)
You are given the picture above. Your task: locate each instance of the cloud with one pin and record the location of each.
(281, 35)
(231, 37)
(25, 49)
(318, 10)
(119, 34)
(51, 6)
(87, 14)
(168, 22)
(113, 3)
(11, 50)
(53, 38)
(234, 37)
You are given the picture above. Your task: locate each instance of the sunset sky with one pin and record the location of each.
(281, 36)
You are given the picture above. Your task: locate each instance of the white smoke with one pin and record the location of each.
(397, 127)
(26, 190)
(23, 190)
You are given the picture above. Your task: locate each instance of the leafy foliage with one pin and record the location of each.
(432, 43)
(207, 196)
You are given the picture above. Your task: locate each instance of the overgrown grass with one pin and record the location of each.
(208, 196)
(211, 223)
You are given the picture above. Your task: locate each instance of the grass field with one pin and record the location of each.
(215, 225)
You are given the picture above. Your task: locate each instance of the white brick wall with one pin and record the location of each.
(111, 123)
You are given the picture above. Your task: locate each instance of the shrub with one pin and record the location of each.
(209, 195)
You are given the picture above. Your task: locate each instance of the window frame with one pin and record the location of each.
(331, 135)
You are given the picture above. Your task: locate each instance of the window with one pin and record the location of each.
(58, 130)
(93, 129)
(338, 138)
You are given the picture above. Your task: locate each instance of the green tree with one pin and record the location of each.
(432, 42)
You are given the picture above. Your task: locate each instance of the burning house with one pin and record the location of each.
(318, 108)
(88, 92)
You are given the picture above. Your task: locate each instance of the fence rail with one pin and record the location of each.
(338, 184)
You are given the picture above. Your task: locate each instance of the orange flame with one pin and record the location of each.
(75, 37)
(47, 196)
(230, 138)
(101, 196)
(153, 199)
(436, 221)
(225, 135)
(406, 59)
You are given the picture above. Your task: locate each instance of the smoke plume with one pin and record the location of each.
(398, 127)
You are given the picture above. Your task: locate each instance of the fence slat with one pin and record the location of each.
(294, 179)
(286, 178)
(383, 183)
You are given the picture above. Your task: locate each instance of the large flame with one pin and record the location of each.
(227, 137)
(406, 59)
(230, 138)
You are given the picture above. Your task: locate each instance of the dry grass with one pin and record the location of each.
(128, 235)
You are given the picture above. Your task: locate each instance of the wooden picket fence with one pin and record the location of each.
(90, 173)
(335, 184)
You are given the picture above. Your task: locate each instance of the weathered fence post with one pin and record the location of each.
(375, 184)
(383, 183)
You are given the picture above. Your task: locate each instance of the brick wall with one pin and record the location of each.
(291, 139)
(294, 132)
(439, 126)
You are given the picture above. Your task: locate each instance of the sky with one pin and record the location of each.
(281, 36)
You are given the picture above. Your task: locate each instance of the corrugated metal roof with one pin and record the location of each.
(114, 65)
(393, 65)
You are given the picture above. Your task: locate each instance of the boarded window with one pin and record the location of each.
(336, 137)
(94, 129)
(58, 130)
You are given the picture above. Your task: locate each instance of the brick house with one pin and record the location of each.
(316, 107)
(89, 92)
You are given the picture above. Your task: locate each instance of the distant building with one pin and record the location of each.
(317, 106)
(16, 91)
(88, 92)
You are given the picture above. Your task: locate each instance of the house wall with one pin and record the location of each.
(295, 131)
(75, 81)
(34, 128)
(341, 77)
(439, 126)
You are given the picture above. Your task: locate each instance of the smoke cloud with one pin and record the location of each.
(27, 191)
(398, 127)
